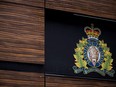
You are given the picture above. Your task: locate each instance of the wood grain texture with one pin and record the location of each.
(99, 8)
(22, 39)
(21, 33)
(36, 3)
(21, 79)
(71, 82)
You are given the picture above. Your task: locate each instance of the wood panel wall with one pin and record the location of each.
(22, 39)
(53, 81)
(99, 8)
(21, 43)
(31, 3)
(21, 79)
(22, 31)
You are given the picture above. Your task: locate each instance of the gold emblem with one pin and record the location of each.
(93, 55)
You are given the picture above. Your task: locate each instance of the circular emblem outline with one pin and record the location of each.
(95, 43)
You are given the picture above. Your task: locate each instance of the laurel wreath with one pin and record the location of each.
(79, 56)
(107, 63)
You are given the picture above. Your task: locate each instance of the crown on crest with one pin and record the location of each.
(92, 32)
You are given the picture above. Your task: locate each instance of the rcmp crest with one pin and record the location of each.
(93, 55)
